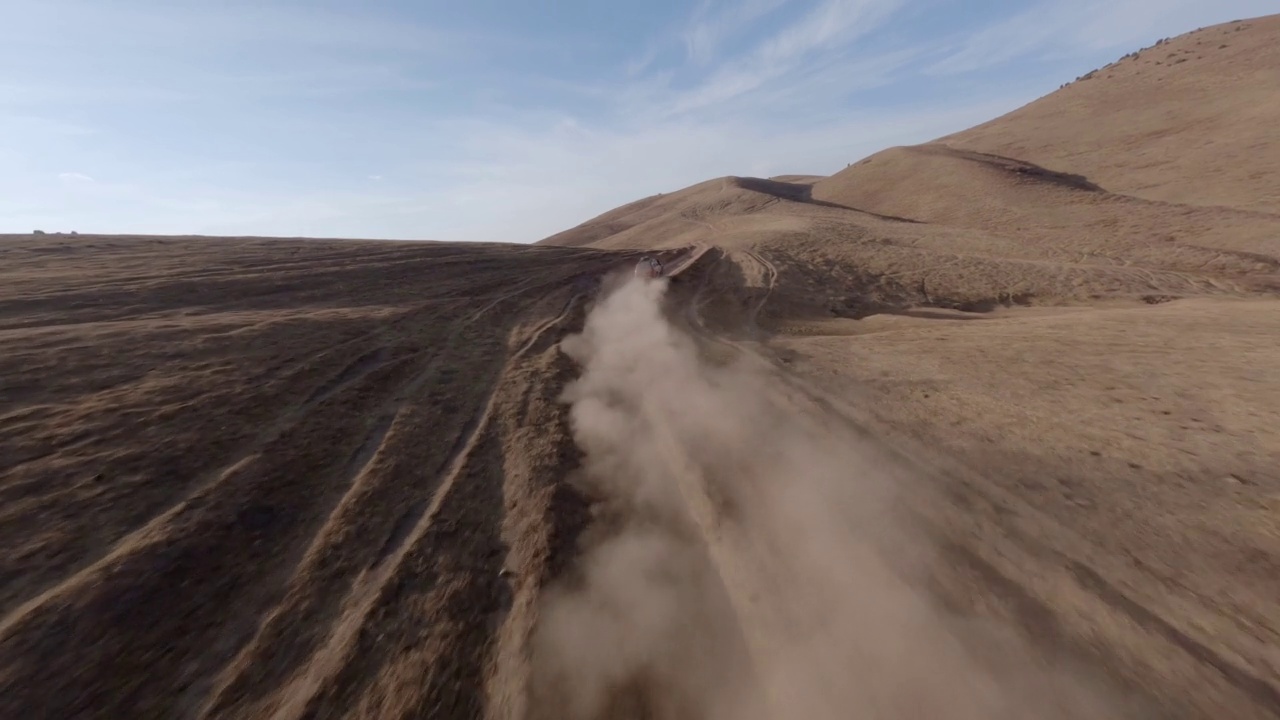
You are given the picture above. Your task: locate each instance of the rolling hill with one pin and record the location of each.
(1191, 120)
(1154, 176)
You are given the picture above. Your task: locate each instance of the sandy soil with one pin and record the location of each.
(957, 432)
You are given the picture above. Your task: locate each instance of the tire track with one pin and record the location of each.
(374, 587)
(385, 421)
(1262, 692)
(203, 484)
(541, 329)
(224, 531)
(770, 276)
(150, 538)
(358, 368)
(202, 487)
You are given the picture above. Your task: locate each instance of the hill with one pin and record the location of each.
(1153, 177)
(1055, 215)
(1192, 120)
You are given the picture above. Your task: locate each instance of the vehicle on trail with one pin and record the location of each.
(649, 268)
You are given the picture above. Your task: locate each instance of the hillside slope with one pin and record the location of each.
(685, 216)
(1056, 213)
(1193, 120)
(1154, 178)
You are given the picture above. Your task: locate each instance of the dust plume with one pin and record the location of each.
(734, 569)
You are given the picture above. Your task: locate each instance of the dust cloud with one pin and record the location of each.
(733, 569)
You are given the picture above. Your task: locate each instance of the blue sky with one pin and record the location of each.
(498, 119)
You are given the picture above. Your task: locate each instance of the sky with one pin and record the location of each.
(498, 120)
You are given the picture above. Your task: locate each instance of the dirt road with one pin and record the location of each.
(248, 478)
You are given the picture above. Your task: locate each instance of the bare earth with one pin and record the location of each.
(983, 428)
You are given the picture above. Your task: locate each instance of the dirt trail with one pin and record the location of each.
(1076, 631)
(788, 517)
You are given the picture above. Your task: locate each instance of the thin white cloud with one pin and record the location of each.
(713, 24)
(167, 52)
(826, 85)
(644, 61)
(1018, 35)
(831, 22)
(830, 25)
(74, 178)
(700, 37)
